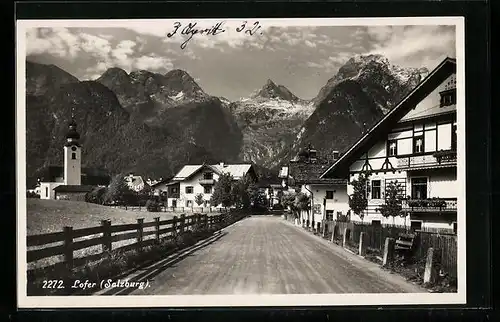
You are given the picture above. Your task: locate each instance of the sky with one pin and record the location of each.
(234, 62)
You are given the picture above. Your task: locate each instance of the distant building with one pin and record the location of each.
(192, 180)
(71, 181)
(329, 200)
(135, 183)
(414, 146)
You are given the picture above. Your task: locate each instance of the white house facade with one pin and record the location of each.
(414, 147)
(193, 180)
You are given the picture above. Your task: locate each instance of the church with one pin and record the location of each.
(71, 182)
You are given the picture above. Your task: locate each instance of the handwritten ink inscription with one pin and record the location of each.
(191, 29)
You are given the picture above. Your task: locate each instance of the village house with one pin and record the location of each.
(414, 146)
(71, 181)
(134, 182)
(191, 180)
(329, 200)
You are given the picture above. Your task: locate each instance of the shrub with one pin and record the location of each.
(153, 206)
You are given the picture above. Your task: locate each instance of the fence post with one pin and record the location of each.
(157, 229)
(325, 228)
(106, 235)
(182, 223)
(347, 235)
(140, 230)
(431, 265)
(205, 222)
(174, 226)
(362, 243)
(68, 247)
(335, 232)
(388, 251)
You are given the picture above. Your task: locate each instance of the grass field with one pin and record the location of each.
(45, 216)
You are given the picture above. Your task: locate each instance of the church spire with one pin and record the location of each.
(72, 136)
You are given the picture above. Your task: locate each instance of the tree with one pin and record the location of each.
(392, 206)
(119, 192)
(223, 191)
(96, 195)
(288, 201)
(241, 191)
(303, 203)
(258, 199)
(199, 199)
(357, 200)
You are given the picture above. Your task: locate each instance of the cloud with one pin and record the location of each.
(153, 63)
(414, 46)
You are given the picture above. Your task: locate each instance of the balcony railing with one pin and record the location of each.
(207, 181)
(428, 160)
(430, 205)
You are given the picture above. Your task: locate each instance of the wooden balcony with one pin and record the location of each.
(207, 182)
(433, 205)
(437, 159)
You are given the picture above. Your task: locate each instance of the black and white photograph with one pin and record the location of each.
(240, 162)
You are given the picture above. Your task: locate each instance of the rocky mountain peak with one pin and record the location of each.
(272, 91)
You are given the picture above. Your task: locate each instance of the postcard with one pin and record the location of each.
(240, 162)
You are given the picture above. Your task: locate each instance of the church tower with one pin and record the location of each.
(72, 157)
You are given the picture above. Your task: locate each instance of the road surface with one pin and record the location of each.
(268, 255)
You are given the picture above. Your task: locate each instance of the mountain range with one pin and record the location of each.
(152, 123)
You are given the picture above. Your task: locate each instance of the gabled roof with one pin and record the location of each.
(446, 68)
(236, 170)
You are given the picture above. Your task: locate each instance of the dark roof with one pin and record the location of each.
(310, 172)
(162, 182)
(73, 188)
(90, 176)
(341, 167)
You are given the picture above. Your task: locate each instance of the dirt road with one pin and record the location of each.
(267, 255)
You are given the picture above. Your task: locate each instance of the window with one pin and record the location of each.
(418, 144)
(46, 191)
(415, 225)
(419, 188)
(208, 176)
(208, 189)
(454, 136)
(376, 190)
(376, 223)
(174, 190)
(392, 148)
(189, 190)
(73, 156)
(189, 203)
(329, 215)
(329, 195)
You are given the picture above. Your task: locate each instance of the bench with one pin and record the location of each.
(405, 242)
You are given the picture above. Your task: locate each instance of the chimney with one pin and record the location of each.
(336, 155)
(221, 164)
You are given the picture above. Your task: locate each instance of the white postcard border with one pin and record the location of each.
(282, 300)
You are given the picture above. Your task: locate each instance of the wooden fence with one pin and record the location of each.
(443, 239)
(138, 235)
(176, 209)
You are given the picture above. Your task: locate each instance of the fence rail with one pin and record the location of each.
(69, 240)
(176, 209)
(443, 239)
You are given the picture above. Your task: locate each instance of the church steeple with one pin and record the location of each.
(72, 155)
(72, 136)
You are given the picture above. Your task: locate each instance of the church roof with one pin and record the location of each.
(73, 188)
